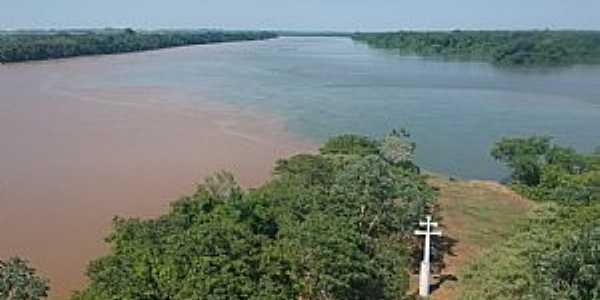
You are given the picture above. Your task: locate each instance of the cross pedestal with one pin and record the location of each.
(425, 272)
(424, 279)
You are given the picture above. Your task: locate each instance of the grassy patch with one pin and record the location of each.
(476, 216)
(518, 268)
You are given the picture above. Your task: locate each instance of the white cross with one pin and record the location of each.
(425, 274)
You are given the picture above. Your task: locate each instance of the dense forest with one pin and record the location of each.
(25, 46)
(510, 48)
(333, 225)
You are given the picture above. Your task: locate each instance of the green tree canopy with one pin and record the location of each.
(503, 48)
(18, 281)
(573, 270)
(328, 226)
(350, 144)
(52, 45)
(544, 171)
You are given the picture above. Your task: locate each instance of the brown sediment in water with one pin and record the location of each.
(71, 158)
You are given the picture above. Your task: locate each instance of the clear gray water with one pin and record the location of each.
(327, 86)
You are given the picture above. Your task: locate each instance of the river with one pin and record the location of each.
(85, 139)
(327, 86)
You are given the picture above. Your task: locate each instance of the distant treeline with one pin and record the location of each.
(24, 47)
(512, 48)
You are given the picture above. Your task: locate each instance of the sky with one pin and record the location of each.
(341, 15)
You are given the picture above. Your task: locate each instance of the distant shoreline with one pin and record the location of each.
(15, 48)
(508, 48)
(532, 48)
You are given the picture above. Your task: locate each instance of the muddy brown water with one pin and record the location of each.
(74, 156)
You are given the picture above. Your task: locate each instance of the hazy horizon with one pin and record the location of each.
(309, 15)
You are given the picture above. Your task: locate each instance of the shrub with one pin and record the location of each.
(547, 252)
(397, 149)
(573, 270)
(18, 281)
(546, 172)
(350, 144)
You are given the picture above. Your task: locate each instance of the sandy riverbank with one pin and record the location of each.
(71, 158)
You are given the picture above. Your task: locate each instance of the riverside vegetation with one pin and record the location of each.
(25, 46)
(556, 254)
(18, 281)
(338, 225)
(333, 225)
(509, 48)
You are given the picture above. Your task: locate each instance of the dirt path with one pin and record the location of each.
(475, 216)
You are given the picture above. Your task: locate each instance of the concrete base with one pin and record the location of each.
(424, 279)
